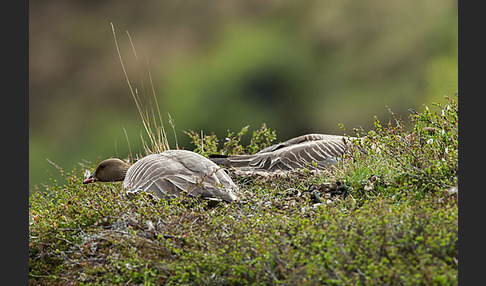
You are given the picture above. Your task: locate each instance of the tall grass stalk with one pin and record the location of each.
(151, 119)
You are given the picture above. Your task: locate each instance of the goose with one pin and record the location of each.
(170, 174)
(310, 151)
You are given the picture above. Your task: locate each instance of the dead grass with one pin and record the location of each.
(148, 107)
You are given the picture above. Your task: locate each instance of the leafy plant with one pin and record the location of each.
(208, 144)
(261, 139)
(423, 160)
(204, 144)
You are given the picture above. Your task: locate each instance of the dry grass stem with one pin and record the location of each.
(151, 119)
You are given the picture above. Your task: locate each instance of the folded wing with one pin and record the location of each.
(311, 151)
(176, 173)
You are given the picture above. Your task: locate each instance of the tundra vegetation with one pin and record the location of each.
(395, 220)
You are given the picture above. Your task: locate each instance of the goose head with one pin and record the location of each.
(109, 170)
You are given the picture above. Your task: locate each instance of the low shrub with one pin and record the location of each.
(397, 223)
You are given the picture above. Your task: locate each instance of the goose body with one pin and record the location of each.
(310, 151)
(170, 174)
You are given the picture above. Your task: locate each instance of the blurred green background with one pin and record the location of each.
(298, 66)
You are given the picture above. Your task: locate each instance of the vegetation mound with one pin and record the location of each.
(395, 220)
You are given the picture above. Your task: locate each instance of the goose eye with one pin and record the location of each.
(101, 166)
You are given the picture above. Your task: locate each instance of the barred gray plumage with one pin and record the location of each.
(311, 151)
(175, 173)
(170, 174)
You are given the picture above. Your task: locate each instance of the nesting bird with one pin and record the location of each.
(170, 174)
(311, 151)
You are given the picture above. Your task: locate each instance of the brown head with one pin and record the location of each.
(109, 170)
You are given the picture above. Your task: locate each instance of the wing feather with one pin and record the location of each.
(180, 173)
(306, 151)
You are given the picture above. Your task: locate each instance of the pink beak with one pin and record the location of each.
(89, 180)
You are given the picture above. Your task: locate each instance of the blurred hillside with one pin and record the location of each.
(298, 66)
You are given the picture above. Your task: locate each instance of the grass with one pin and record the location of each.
(397, 222)
(151, 119)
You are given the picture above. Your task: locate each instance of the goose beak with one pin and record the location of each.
(90, 179)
